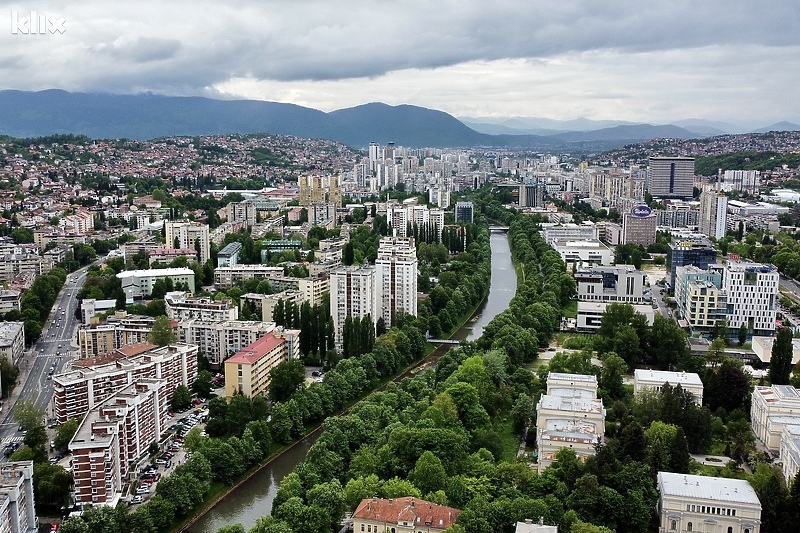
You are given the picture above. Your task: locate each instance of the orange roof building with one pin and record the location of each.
(402, 514)
(248, 370)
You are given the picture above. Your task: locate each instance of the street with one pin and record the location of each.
(55, 349)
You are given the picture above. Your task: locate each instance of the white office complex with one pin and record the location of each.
(706, 504)
(583, 252)
(138, 284)
(740, 180)
(656, 379)
(752, 290)
(671, 177)
(352, 293)
(396, 272)
(17, 509)
(713, 213)
(621, 283)
(189, 235)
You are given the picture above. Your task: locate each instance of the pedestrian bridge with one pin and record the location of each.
(444, 341)
(499, 229)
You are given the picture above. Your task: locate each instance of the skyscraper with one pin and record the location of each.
(671, 177)
(713, 213)
(352, 293)
(396, 272)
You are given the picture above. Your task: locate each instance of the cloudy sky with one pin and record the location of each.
(649, 61)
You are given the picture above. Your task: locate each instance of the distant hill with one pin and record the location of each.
(147, 116)
(779, 126)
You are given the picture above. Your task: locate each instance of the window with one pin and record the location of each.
(730, 529)
(689, 527)
(673, 525)
(362, 527)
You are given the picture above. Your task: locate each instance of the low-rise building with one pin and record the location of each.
(701, 503)
(586, 252)
(762, 347)
(164, 256)
(789, 456)
(771, 408)
(137, 284)
(248, 370)
(572, 385)
(183, 306)
(227, 277)
(573, 422)
(17, 508)
(655, 380)
(229, 256)
(621, 283)
(591, 313)
(9, 301)
(404, 514)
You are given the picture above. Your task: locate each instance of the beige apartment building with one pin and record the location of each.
(248, 370)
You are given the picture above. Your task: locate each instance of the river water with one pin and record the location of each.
(253, 498)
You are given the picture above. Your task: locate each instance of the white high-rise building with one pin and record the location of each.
(189, 235)
(17, 509)
(352, 293)
(752, 290)
(671, 177)
(396, 272)
(375, 156)
(713, 213)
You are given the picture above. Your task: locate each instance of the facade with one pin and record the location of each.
(591, 313)
(189, 235)
(266, 302)
(789, 455)
(17, 508)
(464, 212)
(571, 422)
(713, 213)
(621, 283)
(248, 370)
(164, 256)
(375, 515)
(702, 304)
(352, 294)
(752, 290)
(217, 340)
(12, 341)
(706, 504)
(584, 252)
(771, 408)
(671, 177)
(571, 385)
(138, 284)
(13, 265)
(639, 230)
(569, 232)
(90, 382)
(9, 301)
(114, 436)
(320, 190)
(396, 270)
(120, 330)
(699, 253)
(227, 277)
(182, 306)
(762, 347)
(655, 379)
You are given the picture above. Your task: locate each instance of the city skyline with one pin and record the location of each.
(622, 61)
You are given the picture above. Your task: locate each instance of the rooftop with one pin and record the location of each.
(257, 350)
(663, 376)
(707, 488)
(9, 331)
(156, 272)
(571, 404)
(418, 513)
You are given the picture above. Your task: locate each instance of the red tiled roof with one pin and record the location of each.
(412, 510)
(257, 350)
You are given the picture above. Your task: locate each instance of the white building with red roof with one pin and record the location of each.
(248, 370)
(402, 514)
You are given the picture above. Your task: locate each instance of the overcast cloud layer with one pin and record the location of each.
(657, 61)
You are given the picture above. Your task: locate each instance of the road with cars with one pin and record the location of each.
(51, 354)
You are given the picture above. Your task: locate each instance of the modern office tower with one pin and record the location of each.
(621, 283)
(638, 229)
(189, 235)
(671, 177)
(713, 213)
(352, 294)
(465, 212)
(396, 272)
(699, 253)
(531, 195)
(752, 290)
(389, 153)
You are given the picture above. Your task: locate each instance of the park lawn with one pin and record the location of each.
(508, 440)
(571, 309)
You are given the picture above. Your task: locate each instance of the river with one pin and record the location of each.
(253, 498)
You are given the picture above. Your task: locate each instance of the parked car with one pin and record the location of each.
(161, 461)
(137, 499)
(144, 489)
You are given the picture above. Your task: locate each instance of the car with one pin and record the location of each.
(315, 373)
(161, 461)
(143, 489)
(54, 526)
(137, 499)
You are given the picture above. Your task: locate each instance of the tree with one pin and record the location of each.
(162, 333)
(28, 415)
(780, 362)
(611, 375)
(8, 375)
(202, 386)
(742, 334)
(285, 378)
(181, 397)
(428, 474)
(64, 434)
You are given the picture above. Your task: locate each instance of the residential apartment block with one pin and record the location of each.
(9, 301)
(229, 256)
(12, 341)
(13, 265)
(164, 256)
(183, 306)
(713, 213)
(702, 303)
(227, 277)
(17, 508)
(265, 303)
(752, 290)
(706, 504)
(189, 235)
(671, 177)
(655, 380)
(396, 271)
(120, 330)
(114, 436)
(352, 293)
(91, 381)
(219, 339)
(248, 370)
